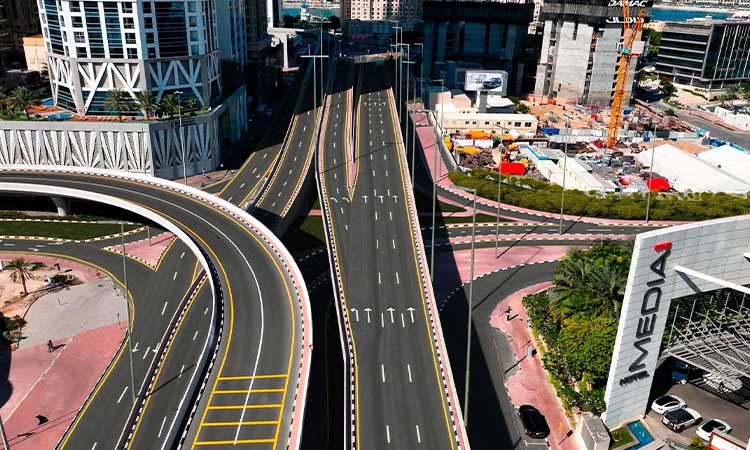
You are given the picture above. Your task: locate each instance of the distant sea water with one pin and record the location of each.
(318, 12)
(679, 15)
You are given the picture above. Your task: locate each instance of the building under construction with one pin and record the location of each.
(581, 49)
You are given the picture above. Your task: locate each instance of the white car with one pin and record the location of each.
(704, 431)
(667, 403)
(680, 419)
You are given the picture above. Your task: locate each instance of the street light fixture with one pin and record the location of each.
(471, 304)
(127, 306)
(182, 143)
(408, 115)
(442, 107)
(651, 173)
(565, 171)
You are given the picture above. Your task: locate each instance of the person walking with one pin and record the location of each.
(50, 346)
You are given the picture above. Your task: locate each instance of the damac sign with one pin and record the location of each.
(630, 3)
(649, 308)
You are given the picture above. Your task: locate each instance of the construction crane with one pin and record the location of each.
(630, 34)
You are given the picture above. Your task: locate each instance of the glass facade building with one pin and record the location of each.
(710, 54)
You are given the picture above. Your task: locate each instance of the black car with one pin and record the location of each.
(533, 421)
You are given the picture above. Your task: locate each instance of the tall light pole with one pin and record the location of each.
(127, 305)
(404, 98)
(315, 89)
(182, 143)
(651, 173)
(408, 116)
(565, 172)
(397, 72)
(442, 107)
(471, 305)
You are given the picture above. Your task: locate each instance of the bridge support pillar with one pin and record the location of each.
(62, 204)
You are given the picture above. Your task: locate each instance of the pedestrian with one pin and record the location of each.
(50, 346)
(507, 314)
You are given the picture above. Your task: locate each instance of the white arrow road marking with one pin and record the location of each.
(364, 196)
(395, 198)
(391, 310)
(334, 199)
(411, 312)
(135, 349)
(356, 314)
(119, 399)
(408, 369)
(381, 199)
(367, 310)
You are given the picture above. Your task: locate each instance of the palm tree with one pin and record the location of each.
(608, 288)
(117, 101)
(146, 102)
(21, 98)
(20, 271)
(191, 105)
(168, 105)
(3, 101)
(571, 277)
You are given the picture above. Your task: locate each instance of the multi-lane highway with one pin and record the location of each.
(255, 392)
(400, 398)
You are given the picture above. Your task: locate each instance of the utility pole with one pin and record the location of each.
(127, 305)
(651, 173)
(182, 144)
(408, 116)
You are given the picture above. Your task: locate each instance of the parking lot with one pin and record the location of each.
(706, 403)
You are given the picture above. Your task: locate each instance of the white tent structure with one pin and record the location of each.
(688, 173)
(729, 159)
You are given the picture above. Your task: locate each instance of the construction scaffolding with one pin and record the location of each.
(714, 337)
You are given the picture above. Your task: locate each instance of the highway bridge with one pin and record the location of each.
(257, 347)
(402, 393)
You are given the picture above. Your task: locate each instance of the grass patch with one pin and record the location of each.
(61, 230)
(316, 203)
(620, 437)
(6, 214)
(305, 234)
(467, 219)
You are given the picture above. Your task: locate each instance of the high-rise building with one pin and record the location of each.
(230, 16)
(709, 54)
(478, 34)
(160, 46)
(18, 18)
(581, 49)
(401, 10)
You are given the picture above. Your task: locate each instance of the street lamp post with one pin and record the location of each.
(315, 89)
(408, 116)
(471, 306)
(182, 143)
(562, 195)
(127, 305)
(651, 173)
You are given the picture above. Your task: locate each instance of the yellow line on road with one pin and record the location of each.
(250, 377)
(244, 441)
(266, 406)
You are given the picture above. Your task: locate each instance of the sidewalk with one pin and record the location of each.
(55, 385)
(428, 142)
(529, 384)
(147, 251)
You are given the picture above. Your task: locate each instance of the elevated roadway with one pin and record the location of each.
(260, 339)
(402, 394)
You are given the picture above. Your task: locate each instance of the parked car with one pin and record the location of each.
(680, 371)
(704, 431)
(533, 422)
(680, 419)
(667, 403)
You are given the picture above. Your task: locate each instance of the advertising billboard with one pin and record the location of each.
(485, 80)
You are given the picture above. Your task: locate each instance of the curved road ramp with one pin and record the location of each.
(242, 379)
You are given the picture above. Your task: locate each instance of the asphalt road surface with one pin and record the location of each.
(400, 401)
(252, 390)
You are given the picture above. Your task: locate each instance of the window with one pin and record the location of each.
(517, 124)
(128, 23)
(75, 6)
(148, 22)
(130, 38)
(127, 7)
(79, 37)
(132, 53)
(147, 7)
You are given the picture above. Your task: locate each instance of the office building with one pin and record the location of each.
(36, 56)
(488, 35)
(581, 50)
(709, 54)
(407, 11)
(159, 46)
(18, 18)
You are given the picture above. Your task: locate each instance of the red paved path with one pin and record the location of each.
(55, 385)
(529, 384)
(145, 252)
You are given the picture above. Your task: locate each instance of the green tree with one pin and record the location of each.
(521, 108)
(191, 105)
(696, 444)
(586, 344)
(169, 105)
(745, 90)
(117, 101)
(668, 88)
(146, 103)
(21, 98)
(20, 271)
(335, 22)
(670, 112)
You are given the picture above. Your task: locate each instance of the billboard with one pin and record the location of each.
(485, 80)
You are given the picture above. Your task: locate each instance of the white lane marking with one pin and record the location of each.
(376, 215)
(382, 320)
(195, 335)
(174, 277)
(164, 308)
(242, 185)
(408, 369)
(390, 214)
(342, 210)
(161, 428)
(398, 281)
(403, 322)
(379, 278)
(382, 372)
(385, 156)
(377, 244)
(9, 245)
(388, 433)
(182, 254)
(393, 242)
(94, 446)
(145, 354)
(370, 156)
(334, 160)
(205, 312)
(182, 369)
(373, 172)
(119, 399)
(419, 438)
(229, 199)
(386, 172)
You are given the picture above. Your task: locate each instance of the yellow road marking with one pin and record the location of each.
(234, 177)
(232, 424)
(250, 377)
(243, 441)
(130, 257)
(265, 406)
(245, 391)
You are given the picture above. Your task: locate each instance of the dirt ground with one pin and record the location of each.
(12, 302)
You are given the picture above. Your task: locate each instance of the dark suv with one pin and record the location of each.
(533, 421)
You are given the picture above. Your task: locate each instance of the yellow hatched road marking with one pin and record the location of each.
(267, 406)
(250, 377)
(245, 391)
(243, 441)
(232, 424)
